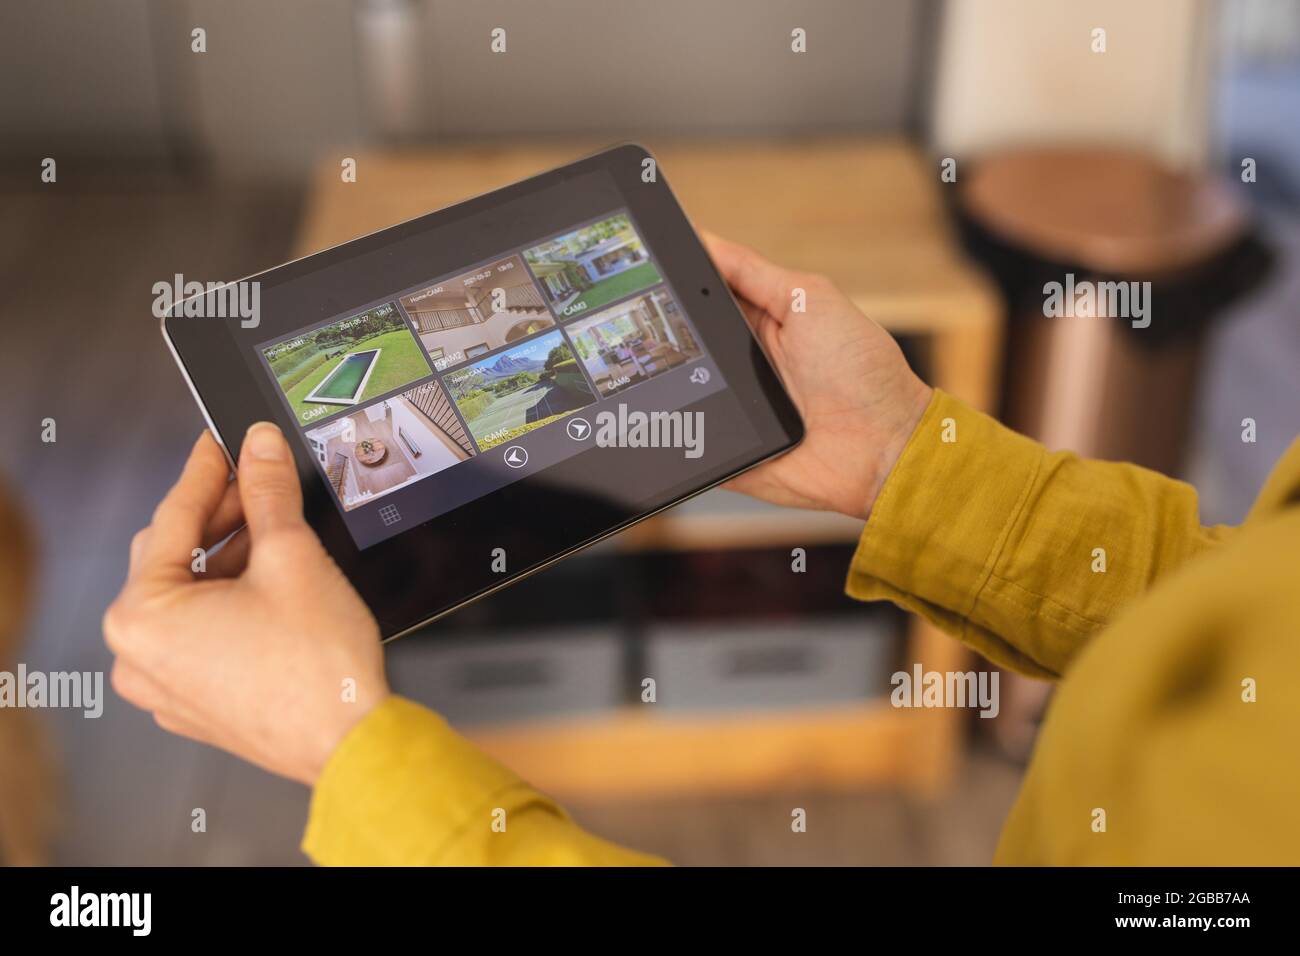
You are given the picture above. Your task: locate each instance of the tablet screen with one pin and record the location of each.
(437, 394)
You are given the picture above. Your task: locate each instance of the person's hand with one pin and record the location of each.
(269, 653)
(859, 400)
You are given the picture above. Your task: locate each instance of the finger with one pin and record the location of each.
(232, 559)
(144, 692)
(268, 483)
(137, 551)
(181, 725)
(752, 277)
(226, 520)
(179, 521)
(136, 687)
(760, 320)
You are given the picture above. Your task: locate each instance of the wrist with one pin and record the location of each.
(892, 440)
(334, 727)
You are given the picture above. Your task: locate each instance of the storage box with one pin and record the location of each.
(745, 666)
(493, 678)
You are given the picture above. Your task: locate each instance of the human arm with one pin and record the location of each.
(975, 527)
(1021, 553)
(271, 655)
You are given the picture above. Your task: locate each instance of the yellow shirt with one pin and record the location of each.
(1179, 698)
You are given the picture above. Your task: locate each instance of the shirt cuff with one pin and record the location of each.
(401, 789)
(939, 525)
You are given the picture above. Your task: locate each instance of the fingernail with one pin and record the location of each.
(265, 443)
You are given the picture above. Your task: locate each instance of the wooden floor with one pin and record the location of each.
(76, 268)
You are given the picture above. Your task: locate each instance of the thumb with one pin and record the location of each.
(268, 483)
(750, 276)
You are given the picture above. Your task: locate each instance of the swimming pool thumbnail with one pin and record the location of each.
(346, 363)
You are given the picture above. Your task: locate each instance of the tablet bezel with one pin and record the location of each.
(535, 519)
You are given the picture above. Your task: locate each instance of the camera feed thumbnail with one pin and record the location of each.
(346, 362)
(469, 315)
(589, 267)
(390, 444)
(633, 341)
(511, 393)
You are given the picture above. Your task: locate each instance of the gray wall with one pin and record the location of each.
(285, 79)
(78, 72)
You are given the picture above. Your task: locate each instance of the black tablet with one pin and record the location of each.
(476, 393)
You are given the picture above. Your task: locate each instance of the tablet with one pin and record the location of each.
(479, 392)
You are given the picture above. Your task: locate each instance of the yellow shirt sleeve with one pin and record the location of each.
(1172, 740)
(404, 789)
(1021, 553)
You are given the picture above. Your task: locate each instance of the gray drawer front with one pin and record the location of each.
(729, 667)
(502, 677)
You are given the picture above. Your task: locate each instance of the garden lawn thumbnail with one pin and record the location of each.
(615, 287)
(401, 361)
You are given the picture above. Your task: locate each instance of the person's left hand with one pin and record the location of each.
(269, 653)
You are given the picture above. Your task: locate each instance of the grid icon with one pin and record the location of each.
(389, 514)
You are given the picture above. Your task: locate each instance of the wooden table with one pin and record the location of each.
(378, 451)
(868, 213)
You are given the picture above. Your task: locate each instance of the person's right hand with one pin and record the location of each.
(859, 400)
